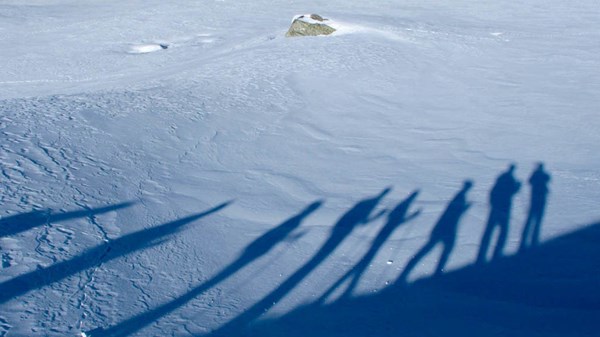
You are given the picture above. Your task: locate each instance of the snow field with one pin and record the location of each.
(417, 96)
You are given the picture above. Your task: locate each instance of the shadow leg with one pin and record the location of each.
(487, 236)
(413, 262)
(502, 236)
(535, 238)
(448, 246)
(526, 236)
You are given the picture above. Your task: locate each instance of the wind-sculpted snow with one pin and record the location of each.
(115, 151)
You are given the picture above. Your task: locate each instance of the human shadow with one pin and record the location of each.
(22, 222)
(539, 194)
(444, 232)
(504, 189)
(253, 251)
(359, 214)
(549, 290)
(396, 217)
(95, 256)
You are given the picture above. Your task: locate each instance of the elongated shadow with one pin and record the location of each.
(501, 195)
(94, 256)
(548, 290)
(444, 232)
(19, 223)
(539, 193)
(396, 217)
(360, 214)
(253, 251)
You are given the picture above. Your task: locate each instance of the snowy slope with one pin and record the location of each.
(132, 175)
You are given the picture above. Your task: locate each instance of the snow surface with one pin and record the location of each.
(146, 48)
(191, 190)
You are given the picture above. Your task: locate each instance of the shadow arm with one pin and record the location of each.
(377, 216)
(414, 215)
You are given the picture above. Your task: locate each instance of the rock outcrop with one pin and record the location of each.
(309, 25)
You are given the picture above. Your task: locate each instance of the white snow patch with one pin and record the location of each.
(343, 28)
(308, 19)
(146, 48)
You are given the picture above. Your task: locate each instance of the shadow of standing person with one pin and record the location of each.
(444, 232)
(539, 193)
(396, 217)
(259, 247)
(504, 189)
(360, 214)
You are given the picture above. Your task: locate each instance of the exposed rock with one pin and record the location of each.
(309, 25)
(316, 17)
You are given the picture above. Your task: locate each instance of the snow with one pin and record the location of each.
(146, 48)
(195, 190)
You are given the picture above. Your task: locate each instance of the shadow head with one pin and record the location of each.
(413, 195)
(384, 192)
(314, 206)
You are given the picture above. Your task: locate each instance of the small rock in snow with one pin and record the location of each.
(309, 25)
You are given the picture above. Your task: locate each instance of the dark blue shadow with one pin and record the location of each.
(94, 256)
(443, 232)
(253, 251)
(504, 189)
(396, 217)
(360, 214)
(539, 181)
(549, 290)
(19, 223)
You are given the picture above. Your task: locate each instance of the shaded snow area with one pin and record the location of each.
(178, 168)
